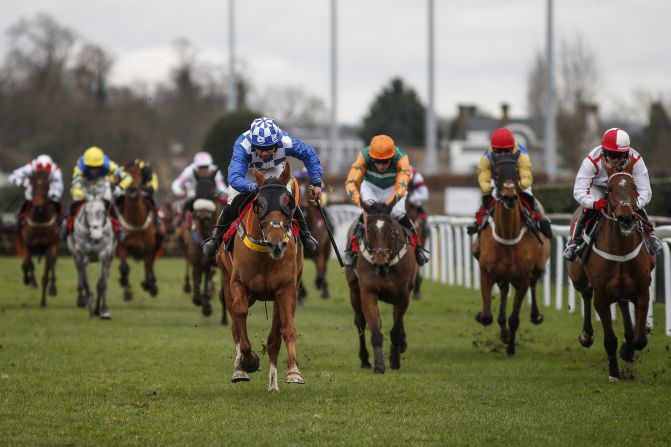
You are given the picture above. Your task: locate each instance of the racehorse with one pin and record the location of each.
(617, 269)
(509, 253)
(418, 216)
(265, 265)
(143, 239)
(39, 235)
(317, 227)
(385, 271)
(197, 227)
(92, 238)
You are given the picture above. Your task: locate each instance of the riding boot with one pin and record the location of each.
(649, 232)
(350, 255)
(421, 254)
(543, 221)
(475, 226)
(576, 244)
(310, 244)
(211, 244)
(66, 223)
(114, 213)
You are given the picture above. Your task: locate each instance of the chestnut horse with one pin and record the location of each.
(616, 269)
(266, 265)
(385, 271)
(315, 223)
(143, 239)
(509, 253)
(39, 235)
(418, 217)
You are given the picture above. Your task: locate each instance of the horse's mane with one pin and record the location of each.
(272, 181)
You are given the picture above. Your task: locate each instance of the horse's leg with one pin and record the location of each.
(626, 348)
(484, 317)
(222, 300)
(249, 361)
(360, 323)
(149, 283)
(609, 337)
(197, 275)
(302, 293)
(397, 335)
(187, 278)
(48, 266)
(206, 307)
(285, 299)
(53, 253)
(320, 262)
(105, 264)
(370, 310)
(514, 320)
(642, 303)
(416, 290)
(124, 272)
(273, 344)
(586, 337)
(504, 287)
(28, 269)
(81, 272)
(536, 316)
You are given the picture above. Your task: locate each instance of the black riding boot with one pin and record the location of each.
(421, 254)
(576, 245)
(211, 244)
(474, 227)
(544, 222)
(350, 256)
(310, 244)
(649, 231)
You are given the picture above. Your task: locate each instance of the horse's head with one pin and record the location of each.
(206, 187)
(381, 235)
(203, 214)
(274, 207)
(39, 182)
(135, 172)
(621, 196)
(95, 219)
(507, 179)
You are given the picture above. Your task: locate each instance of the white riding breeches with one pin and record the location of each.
(369, 191)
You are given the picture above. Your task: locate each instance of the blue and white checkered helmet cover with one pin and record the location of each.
(264, 132)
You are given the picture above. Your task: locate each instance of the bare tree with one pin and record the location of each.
(91, 72)
(291, 105)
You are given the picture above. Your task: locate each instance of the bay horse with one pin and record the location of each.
(265, 264)
(39, 235)
(143, 239)
(317, 227)
(509, 254)
(385, 271)
(93, 239)
(616, 268)
(418, 216)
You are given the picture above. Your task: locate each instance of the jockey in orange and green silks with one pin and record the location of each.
(92, 168)
(503, 144)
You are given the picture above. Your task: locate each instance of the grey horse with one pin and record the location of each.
(92, 239)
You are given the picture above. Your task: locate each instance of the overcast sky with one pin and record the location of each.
(484, 48)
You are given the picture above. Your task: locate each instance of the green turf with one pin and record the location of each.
(159, 373)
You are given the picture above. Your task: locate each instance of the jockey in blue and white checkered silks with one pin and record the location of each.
(265, 147)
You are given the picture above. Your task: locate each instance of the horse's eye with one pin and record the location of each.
(288, 202)
(261, 205)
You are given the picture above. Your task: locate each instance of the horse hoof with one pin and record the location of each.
(224, 321)
(206, 310)
(326, 295)
(417, 296)
(250, 365)
(613, 379)
(127, 295)
(186, 288)
(378, 370)
(585, 339)
(295, 377)
(366, 365)
(196, 301)
(106, 315)
(81, 303)
(53, 291)
(510, 350)
(538, 319)
(153, 291)
(43, 304)
(239, 376)
(626, 352)
(485, 321)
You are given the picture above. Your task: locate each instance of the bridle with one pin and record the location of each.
(391, 255)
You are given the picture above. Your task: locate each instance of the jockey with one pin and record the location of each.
(590, 187)
(92, 168)
(184, 186)
(149, 186)
(21, 177)
(265, 147)
(418, 193)
(503, 143)
(381, 173)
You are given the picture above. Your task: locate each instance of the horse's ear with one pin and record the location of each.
(285, 176)
(259, 177)
(366, 207)
(391, 205)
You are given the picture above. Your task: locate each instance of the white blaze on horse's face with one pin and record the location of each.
(95, 219)
(380, 226)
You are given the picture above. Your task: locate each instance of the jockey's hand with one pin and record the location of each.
(126, 182)
(315, 193)
(78, 194)
(601, 205)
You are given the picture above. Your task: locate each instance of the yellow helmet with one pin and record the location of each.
(94, 157)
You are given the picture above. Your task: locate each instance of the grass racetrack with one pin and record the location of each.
(159, 373)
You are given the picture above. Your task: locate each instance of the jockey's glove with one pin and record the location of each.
(78, 194)
(126, 182)
(601, 204)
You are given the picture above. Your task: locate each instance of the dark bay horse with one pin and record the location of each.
(385, 271)
(317, 227)
(265, 265)
(418, 217)
(508, 253)
(143, 238)
(616, 269)
(39, 235)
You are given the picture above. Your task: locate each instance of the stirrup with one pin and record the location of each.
(572, 252)
(310, 244)
(655, 244)
(421, 255)
(350, 258)
(472, 228)
(210, 246)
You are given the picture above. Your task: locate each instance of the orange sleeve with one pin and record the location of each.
(354, 179)
(402, 178)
